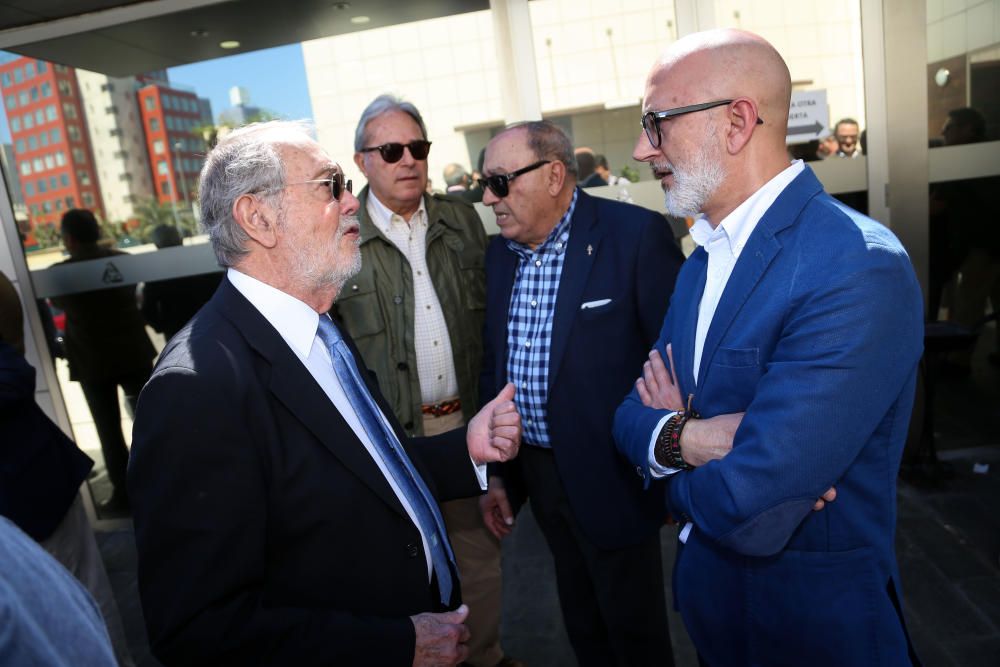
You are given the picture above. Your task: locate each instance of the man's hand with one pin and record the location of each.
(704, 440)
(441, 638)
(494, 434)
(495, 507)
(658, 386)
(827, 497)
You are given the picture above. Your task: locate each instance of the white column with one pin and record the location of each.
(515, 47)
(894, 36)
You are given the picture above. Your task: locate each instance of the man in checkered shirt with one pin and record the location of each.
(576, 291)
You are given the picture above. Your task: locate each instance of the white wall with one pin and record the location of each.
(955, 27)
(119, 195)
(819, 39)
(447, 67)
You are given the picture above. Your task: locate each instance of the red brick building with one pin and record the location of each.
(176, 152)
(48, 131)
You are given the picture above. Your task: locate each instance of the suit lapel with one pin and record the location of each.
(760, 250)
(292, 384)
(686, 318)
(581, 253)
(505, 286)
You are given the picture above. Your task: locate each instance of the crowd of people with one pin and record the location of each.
(327, 456)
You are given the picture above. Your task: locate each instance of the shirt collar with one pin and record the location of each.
(383, 217)
(294, 321)
(557, 239)
(738, 225)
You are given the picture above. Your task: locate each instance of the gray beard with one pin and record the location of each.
(694, 185)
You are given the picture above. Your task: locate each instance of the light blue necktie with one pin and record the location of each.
(393, 456)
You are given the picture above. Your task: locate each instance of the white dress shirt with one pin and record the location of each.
(723, 243)
(298, 324)
(431, 341)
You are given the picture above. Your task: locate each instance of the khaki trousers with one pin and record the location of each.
(477, 553)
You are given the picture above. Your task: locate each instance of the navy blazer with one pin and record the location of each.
(41, 469)
(266, 532)
(817, 338)
(624, 256)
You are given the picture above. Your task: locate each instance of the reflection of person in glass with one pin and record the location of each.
(965, 239)
(106, 347)
(167, 305)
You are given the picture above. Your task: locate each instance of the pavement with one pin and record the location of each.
(947, 540)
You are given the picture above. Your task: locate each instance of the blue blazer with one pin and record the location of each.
(817, 338)
(625, 256)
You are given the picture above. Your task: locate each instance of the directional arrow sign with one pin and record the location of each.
(808, 116)
(813, 129)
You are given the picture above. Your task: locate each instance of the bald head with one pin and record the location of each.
(728, 64)
(715, 119)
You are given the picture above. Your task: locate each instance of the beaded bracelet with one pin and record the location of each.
(667, 450)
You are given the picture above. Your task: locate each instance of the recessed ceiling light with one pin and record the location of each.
(200, 32)
(360, 20)
(230, 44)
(341, 5)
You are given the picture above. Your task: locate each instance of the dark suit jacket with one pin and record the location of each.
(624, 255)
(40, 468)
(816, 337)
(266, 533)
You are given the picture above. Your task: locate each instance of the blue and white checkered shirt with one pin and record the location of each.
(529, 325)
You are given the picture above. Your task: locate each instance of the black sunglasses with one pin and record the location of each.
(393, 152)
(651, 119)
(499, 184)
(335, 183)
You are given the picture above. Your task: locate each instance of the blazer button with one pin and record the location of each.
(638, 471)
(402, 366)
(412, 550)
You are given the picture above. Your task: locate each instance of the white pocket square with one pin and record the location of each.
(594, 304)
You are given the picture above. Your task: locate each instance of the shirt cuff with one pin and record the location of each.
(655, 469)
(480, 473)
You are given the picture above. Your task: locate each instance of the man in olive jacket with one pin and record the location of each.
(416, 313)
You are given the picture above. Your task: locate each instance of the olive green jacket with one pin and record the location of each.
(376, 305)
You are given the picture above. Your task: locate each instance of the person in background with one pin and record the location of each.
(460, 183)
(605, 173)
(846, 132)
(586, 165)
(416, 313)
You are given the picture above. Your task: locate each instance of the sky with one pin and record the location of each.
(275, 79)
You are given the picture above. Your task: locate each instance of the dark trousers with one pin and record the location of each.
(612, 600)
(102, 399)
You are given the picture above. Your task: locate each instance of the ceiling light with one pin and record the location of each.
(200, 32)
(341, 5)
(230, 44)
(360, 20)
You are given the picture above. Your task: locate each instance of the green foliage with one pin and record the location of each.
(151, 214)
(631, 173)
(47, 236)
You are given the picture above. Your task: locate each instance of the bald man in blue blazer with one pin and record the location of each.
(796, 328)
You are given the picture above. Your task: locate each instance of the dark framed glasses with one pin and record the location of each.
(651, 119)
(499, 184)
(393, 152)
(335, 184)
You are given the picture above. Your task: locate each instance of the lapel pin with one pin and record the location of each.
(590, 250)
